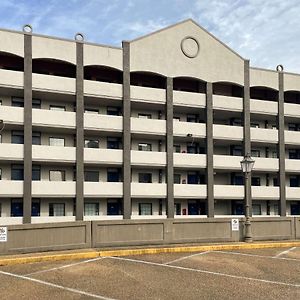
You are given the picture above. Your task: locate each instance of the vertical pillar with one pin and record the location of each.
(126, 132)
(79, 128)
(281, 142)
(27, 188)
(170, 147)
(209, 151)
(246, 123)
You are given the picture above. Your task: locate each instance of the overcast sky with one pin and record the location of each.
(265, 31)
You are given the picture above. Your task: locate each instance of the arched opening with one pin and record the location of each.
(103, 73)
(53, 67)
(263, 93)
(11, 62)
(292, 97)
(148, 79)
(228, 89)
(188, 84)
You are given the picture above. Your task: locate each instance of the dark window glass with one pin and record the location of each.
(91, 143)
(113, 111)
(36, 138)
(91, 176)
(177, 208)
(113, 143)
(35, 208)
(294, 181)
(17, 102)
(36, 103)
(56, 209)
(17, 172)
(17, 137)
(36, 172)
(191, 148)
(193, 179)
(295, 208)
(145, 177)
(237, 180)
(16, 208)
(275, 182)
(145, 209)
(114, 208)
(177, 178)
(192, 118)
(255, 181)
(176, 148)
(113, 175)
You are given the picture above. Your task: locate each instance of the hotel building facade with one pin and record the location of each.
(154, 129)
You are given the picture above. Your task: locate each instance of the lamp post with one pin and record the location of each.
(247, 164)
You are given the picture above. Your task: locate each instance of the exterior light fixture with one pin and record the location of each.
(27, 28)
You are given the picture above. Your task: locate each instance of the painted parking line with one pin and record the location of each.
(186, 257)
(285, 252)
(76, 291)
(65, 266)
(256, 255)
(204, 271)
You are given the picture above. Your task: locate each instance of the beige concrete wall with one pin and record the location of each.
(264, 78)
(12, 42)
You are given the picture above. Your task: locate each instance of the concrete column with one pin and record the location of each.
(170, 146)
(27, 188)
(246, 128)
(209, 151)
(79, 131)
(281, 145)
(126, 132)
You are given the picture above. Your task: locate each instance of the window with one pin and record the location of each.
(274, 154)
(145, 177)
(177, 208)
(0, 174)
(235, 122)
(17, 172)
(36, 103)
(113, 143)
(293, 127)
(36, 138)
(255, 181)
(145, 209)
(35, 208)
(17, 102)
(114, 207)
(55, 141)
(57, 107)
(236, 150)
(56, 209)
(145, 116)
(176, 148)
(91, 110)
(256, 209)
(193, 178)
(113, 111)
(92, 176)
(17, 137)
(294, 181)
(254, 125)
(90, 143)
(0, 102)
(16, 208)
(255, 153)
(295, 208)
(57, 175)
(192, 118)
(177, 178)
(91, 209)
(237, 179)
(145, 147)
(113, 175)
(36, 172)
(191, 148)
(275, 181)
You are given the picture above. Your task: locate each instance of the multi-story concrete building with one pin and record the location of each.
(154, 129)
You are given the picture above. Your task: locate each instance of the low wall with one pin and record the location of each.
(44, 237)
(97, 234)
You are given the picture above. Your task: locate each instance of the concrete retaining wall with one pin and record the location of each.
(76, 235)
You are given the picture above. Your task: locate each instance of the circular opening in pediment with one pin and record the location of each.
(190, 47)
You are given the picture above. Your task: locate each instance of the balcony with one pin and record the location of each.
(11, 188)
(181, 129)
(53, 189)
(11, 79)
(227, 103)
(148, 158)
(292, 193)
(103, 156)
(265, 192)
(292, 137)
(148, 190)
(189, 160)
(57, 84)
(41, 153)
(103, 89)
(146, 94)
(12, 115)
(264, 135)
(292, 165)
(291, 110)
(229, 192)
(103, 189)
(190, 191)
(11, 152)
(189, 99)
(263, 107)
(148, 126)
(227, 132)
(55, 119)
(103, 122)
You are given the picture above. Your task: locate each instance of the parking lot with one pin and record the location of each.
(247, 274)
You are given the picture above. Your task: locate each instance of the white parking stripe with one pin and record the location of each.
(204, 271)
(56, 286)
(186, 257)
(256, 255)
(284, 252)
(65, 266)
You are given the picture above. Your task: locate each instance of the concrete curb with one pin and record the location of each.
(126, 252)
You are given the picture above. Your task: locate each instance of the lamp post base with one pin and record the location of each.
(248, 232)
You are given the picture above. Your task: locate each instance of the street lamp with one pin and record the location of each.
(247, 164)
